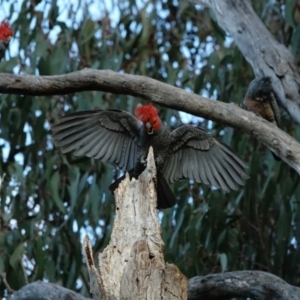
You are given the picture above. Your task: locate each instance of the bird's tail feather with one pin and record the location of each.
(165, 196)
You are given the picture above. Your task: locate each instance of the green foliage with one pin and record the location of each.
(50, 200)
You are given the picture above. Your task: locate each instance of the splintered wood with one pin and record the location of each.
(132, 266)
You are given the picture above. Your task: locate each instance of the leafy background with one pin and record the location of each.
(49, 201)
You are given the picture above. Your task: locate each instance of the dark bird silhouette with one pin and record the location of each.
(261, 100)
(117, 136)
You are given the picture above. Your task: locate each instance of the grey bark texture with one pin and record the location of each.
(132, 266)
(285, 146)
(247, 284)
(40, 290)
(265, 54)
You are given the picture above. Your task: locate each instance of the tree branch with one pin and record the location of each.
(254, 284)
(266, 55)
(40, 290)
(140, 86)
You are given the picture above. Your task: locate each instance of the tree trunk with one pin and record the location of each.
(132, 266)
(265, 54)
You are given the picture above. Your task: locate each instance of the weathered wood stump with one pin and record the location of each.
(132, 266)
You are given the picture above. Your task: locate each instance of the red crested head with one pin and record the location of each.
(149, 116)
(5, 31)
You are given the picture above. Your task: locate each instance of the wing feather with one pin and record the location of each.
(185, 167)
(87, 143)
(224, 169)
(191, 165)
(110, 135)
(170, 169)
(104, 148)
(219, 175)
(195, 168)
(73, 133)
(236, 168)
(121, 163)
(201, 170)
(235, 160)
(68, 137)
(126, 158)
(116, 149)
(230, 170)
(176, 161)
(214, 173)
(110, 149)
(201, 157)
(208, 172)
(174, 169)
(121, 144)
(132, 156)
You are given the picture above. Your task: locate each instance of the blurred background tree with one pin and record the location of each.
(50, 200)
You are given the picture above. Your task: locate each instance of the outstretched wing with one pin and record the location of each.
(110, 135)
(196, 155)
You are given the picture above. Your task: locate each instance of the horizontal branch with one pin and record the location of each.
(252, 284)
(166, 95)
(40, 290)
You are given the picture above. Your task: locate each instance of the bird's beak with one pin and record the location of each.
(149, 128)
(8, 39)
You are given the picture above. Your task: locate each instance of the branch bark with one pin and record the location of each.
(40, 290)
(132, 266)
(278, 141)
(266, 55)
(254, 284)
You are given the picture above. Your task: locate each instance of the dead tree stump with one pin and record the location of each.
(132, 266)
